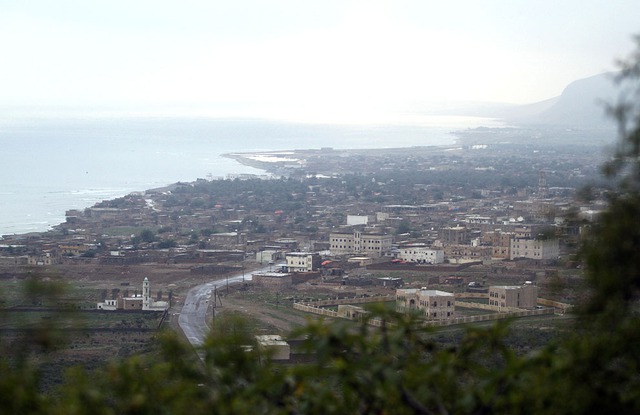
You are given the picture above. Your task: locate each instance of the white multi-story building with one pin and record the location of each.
(421, 253)
(478, 220)
(302, 261)
(433, 304)
(269, 256)
(357, 220)
(541, 249)
(357, 242)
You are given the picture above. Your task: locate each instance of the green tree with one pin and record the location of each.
(147, 236)
(167, 243)
(403, 227)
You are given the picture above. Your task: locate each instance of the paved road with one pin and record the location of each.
(192, 319)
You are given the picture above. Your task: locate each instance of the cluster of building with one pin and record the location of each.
(440, 305)
(390, 212)
(468, 241)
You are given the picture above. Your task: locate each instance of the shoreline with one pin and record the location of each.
(281, 161)
(271, 163)
(320, 161)
(121, 157)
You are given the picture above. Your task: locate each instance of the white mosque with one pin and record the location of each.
(142, 302)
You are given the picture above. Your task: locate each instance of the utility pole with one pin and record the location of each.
(213, 306)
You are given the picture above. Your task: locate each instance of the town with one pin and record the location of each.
(486, 225)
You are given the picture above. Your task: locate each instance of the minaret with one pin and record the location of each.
(542, 185)
(146, 298)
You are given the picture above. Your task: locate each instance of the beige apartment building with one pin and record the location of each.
(460, 254)
(500, 243)
(506, 297)
(421, 254)
(454, 235)
(541, 249)
(302, 261)
(359, 243)
(433, 304)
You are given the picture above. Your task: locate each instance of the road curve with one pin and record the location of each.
(193, 317)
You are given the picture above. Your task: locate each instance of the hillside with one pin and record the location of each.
(581, 104)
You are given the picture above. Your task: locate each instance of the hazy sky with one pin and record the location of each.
(333, 59)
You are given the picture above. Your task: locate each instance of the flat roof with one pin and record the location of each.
(432, 293)
(270, 340)
(272, 274)
(511, 287)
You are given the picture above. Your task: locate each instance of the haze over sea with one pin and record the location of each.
(51, 164)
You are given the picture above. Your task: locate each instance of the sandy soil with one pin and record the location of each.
(281, 319)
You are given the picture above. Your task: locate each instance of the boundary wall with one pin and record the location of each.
(317, 307)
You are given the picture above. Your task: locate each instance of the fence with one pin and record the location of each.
(316, 307)
(352, 300)
(556, 304)
(489, 317)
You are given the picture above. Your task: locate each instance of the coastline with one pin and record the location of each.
(103, 158)
(279, 162)
(271, 163)
(48, 204)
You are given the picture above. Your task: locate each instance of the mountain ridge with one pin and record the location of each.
(581, 104)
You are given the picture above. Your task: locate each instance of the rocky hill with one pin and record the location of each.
(581, 104)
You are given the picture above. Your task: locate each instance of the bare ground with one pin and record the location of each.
(270, 317)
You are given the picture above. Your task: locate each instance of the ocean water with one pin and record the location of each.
(50, 165)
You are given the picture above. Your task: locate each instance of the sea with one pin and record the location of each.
(52, 164)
